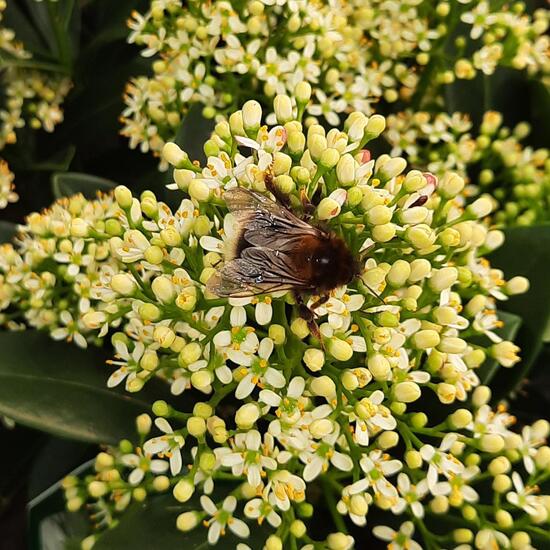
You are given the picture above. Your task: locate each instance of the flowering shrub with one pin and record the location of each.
(7, 189)
(272, 409)
(494, 161)
(31, 97)
(357, 55)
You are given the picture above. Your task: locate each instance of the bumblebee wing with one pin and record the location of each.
(264, 223)
(257, 271)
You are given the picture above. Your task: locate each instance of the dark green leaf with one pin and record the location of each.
(50, 525)
(193, 132)
(526, 252)
(7, 231)
(511, 326)
(60, 389)
(153, 525)
(66, 184)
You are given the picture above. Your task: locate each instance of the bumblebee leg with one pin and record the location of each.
(318, 303)
(308, 315)
(307, 206)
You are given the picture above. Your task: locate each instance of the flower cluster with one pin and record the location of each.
(273, 406)
(495, 161)
(357, 55)
(47, 277)
(30, 96)
(7, 189)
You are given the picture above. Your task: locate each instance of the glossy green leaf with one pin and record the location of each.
(193, 132)
(509, 331)
(153, 525)
(58, 388)
(7, 231)
(66, 184)
(526, 252)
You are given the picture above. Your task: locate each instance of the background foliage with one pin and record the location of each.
(86, 40)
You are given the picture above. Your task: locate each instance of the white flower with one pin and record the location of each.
(128, 363)
(168, 445)
(318, 456)
(376, 467)
(259, 372)
(74, 257)
(70, 330)
(411, 495)
(260, 509)
(247, 457)
(374, 418)
(398, 540)
(284, 488)
(523, 498)
(441, 463)
(240, 343)
(222, 518)
(141, 465)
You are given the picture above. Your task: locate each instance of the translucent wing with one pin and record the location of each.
(265, 223)
(257, 271)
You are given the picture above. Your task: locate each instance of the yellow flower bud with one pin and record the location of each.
(163, 289)
(379, 366)
(173, 155)
(480, 208)
(383, 233)
(302, 92)
(322, 386)
(198, 190)
(314, 359)
(123, 196)
(340, 349)
(282, 106)
(460, 419)
(407, 392)
(196, 426)
(413, 459)
(299, 328)
(345, 170)
(387, 440)
(187, 521)
(164, 336)
(247, 415)
(252, 116)
(183, 490)
(123, 284)
(425, 339)
(379, 215)
(420, 236)
(446, 393)
(376, 125)
(328, 208)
